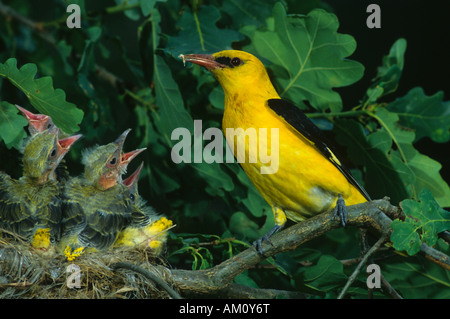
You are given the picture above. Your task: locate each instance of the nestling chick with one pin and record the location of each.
(31, 206)
(147, 228)
(97, 206)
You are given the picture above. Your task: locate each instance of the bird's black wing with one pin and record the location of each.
(73, 217)
(302, 124)
(112, 213)
(102, 228)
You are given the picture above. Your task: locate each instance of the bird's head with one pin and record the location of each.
(104, 165)
(236, 71)
(37, 123)
(43, 153)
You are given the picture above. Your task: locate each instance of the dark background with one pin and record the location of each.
(426, 27)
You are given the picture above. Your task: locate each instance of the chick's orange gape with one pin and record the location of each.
(310, 179)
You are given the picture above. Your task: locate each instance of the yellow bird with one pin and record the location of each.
(308, 179)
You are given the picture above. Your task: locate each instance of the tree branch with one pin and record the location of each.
(376, 216)
(211, 281)
(363, 261)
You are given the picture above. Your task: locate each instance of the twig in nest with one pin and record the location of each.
(148, 275)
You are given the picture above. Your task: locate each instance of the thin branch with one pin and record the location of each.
(445, 235)
(363, 261)
(372, 215)
(10, 13)
(237, 291)
(210, 281)
(435, 256)
(38, 28)
(389, 289)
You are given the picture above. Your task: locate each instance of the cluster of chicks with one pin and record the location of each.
(70, 215)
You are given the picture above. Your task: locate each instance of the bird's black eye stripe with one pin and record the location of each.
(230, 62)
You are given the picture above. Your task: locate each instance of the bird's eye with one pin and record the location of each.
(235, 62)
(132, 197)
(113, 161)
(53, 153)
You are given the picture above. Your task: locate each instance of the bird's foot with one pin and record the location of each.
(258, 243)
(341, 210)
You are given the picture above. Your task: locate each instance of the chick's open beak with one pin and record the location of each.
(66, 143)
(126, 158)
(133, 178)
(39, 122)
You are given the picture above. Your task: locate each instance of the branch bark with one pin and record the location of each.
(372, 215)
(376, 216)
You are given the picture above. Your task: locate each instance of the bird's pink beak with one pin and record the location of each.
(133, 178)
(38, 122)
(126, 158)
(66, 143)
(205, 60)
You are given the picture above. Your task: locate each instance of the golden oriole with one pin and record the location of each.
(310, 179)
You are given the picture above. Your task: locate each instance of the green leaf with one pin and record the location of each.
(243, 13)
(11, 125)
(417, 171)
(42, 95)
(427, 115)
(240, 224)
(388, 76)
(418, 278)
(244, 279)
(308, 57)
(424, 220)
(405, 237)
(147, 6)
(218, 181)
(200, 34)
(129, 8)
(172, 113)
(394, 167)
(327, 274)
(427, 175)
(385, 175)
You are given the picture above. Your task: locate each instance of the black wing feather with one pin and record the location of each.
(300, 122)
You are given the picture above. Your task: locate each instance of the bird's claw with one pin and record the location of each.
(341, 210)
(258, 243)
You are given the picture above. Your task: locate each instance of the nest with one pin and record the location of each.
(26, 272)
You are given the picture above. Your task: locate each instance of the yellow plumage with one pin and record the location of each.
(309, 179)
(152, 236)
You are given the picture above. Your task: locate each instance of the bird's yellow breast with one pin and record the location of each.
(305, 182)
